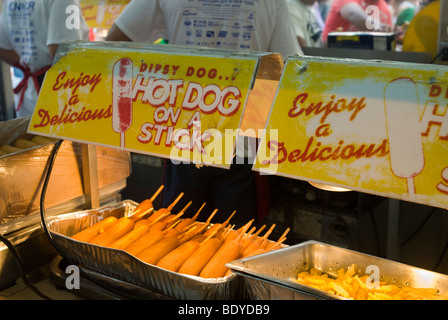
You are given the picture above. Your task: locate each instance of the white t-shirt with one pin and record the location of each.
(255, 25)
(305, 24)
(29, 26)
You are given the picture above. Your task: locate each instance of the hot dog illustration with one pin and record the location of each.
(403, 123)
(122, 97)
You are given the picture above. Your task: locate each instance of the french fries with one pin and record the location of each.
(348, 284)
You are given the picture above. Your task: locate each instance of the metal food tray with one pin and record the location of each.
(123, 266)
(269, 276)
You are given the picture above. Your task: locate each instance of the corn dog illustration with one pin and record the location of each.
(101, 12)
(122, 97)
(403, 123)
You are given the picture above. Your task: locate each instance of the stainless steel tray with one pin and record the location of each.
(122, 266)
(268, 276)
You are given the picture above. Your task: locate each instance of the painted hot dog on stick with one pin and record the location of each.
(122, 97)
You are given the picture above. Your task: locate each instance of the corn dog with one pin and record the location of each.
(148, 203)
(87, 234)
(215, 268)
(271, 246)
(10, 149)
(281, 239)
(157, 251)
(147, 240)
(116, 231)
(229, 251)
(257, 243)
(188, 221)
(171, 231)
(275, 245)
(129, 238)
(174, 259)
(264, 240)
(219, 226)
(141, 223)
(198, 259)
(199, 238)
(157, 223)
(207, 222)
(173, 218)
(165, 211)
(233, 234)
(197, 230)
(255, 252)
(189, 234)
(248, 238)
(40, 140)
(24, 144)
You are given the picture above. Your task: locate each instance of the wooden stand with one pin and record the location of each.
(90, 176)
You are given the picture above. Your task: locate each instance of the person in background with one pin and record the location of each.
(324, 7)
(351, 15)
(404, 12)
(262, 25)
(306, 26)
(30, 32)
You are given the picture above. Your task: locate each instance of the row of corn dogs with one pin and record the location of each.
(23, 144)
(186, 246)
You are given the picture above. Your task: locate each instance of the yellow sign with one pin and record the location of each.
(102, 13)
(375, 127)
(172, 102)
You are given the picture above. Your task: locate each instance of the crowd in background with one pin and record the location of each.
(314, 19)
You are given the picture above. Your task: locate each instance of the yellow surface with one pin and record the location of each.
(310, 136)
(422, 33)
(102, 15)
(184, 107)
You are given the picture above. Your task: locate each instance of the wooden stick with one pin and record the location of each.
(225, 223)
(171, 206)
(209, 237)
(208, 221)
(245, 227)
(266, 235)
(190, 226)
(161, 217)
(241, 228)
(138, 216)
(172, 226)
(154, 196)
(284, 234)
(199, 211)
(180, 213)
(259, 230)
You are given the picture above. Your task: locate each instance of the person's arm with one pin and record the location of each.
(115, 34)
(9, 56)
(52, 48)
(57, 32)
(302, 42)
(355, 14)
(283, 40)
